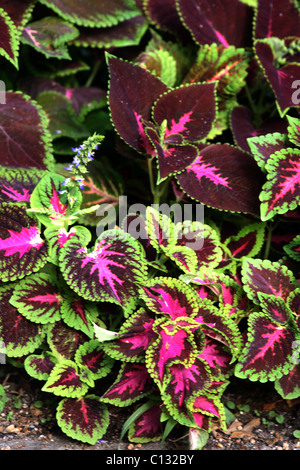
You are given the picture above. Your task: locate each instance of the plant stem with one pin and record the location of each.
(93, 74)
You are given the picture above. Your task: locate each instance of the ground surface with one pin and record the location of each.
(262, 420)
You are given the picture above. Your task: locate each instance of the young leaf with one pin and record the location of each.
(281, 192)
(22, 250)
(84, 418)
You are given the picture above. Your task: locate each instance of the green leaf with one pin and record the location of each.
(104, 335)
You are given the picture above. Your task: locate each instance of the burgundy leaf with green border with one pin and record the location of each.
(148, 426)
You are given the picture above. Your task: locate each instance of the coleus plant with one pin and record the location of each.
(205, 112)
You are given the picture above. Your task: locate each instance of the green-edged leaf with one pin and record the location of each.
(267, 277)
(90, 357)
(24, 146)
(39, 366)
(17, 184)
(110, 272)
(64, 341)
(84, 419)
(294, 130)
(51, 197)
(38, 298)
(263, 146)
(248, 242)
(161, 63)
(19, 335)
(281, 192)
(65, 381)
(22, 250)
(58, 236)
(79, 313)
(9, 38)
(49, 35)
(93, 12)
(293, 248)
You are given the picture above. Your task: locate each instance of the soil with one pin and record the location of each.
(261, 420)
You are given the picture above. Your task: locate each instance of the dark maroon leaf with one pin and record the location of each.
(288, 386)
(165, 16)
(275, 19)
(24, 146)
(40, 366)
(148, 426)
(224, 177)
(227, 22)
(18, 184)
(132, 93)
(64, 341)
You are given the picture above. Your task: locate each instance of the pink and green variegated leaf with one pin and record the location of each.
(226, 22)
(19, 335)
(293, 302)
(148, 426)
(39, 366)
(64, 341)
(276, 307)
(51, 197)
(91, 355)
(133, 382)
(293, 248)
(208, 405)
(195, 247)
(181, 383)
(22, 250)
(94, 14)
(24, 146)
(223, 177)
(218, 360)
(171, 158)
(65, 381)
(84, 419)
(79, 313)
(268, 353)
(174, 344)
(132, 93)
(272, 20)
(58, 236)
(268, 277)
(219, 327)
(281, 78)
(38, 298)
(288, 386)
(248, 242)
(159, 227)
(170, 297)
(294, 130)
(187, 112)
(262, 147)
(17, 185)
(134, 338)
(281, 192)
(111, 272)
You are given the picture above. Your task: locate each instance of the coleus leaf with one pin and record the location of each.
(21, 146)
(91, 356)
(264, 146)
(79, 313)
(161, 62)
(17, 185)
(294, 130)
(57, 236)
(127, 33)
(84, 418)
(281, 78)
(226, 65)
(137, 93)
(39, 366)
(218, 360)
(165, 16)
(51, 197)
(293, 248)
(267, 277)
(148, 426)
(207, 405)
(38, 298)
(268, 352)
(65, 381)
(49, 36)
(64, 340)
(247, 242)
(132, 383)
(133, 338)
(223, 177)
(223, 22)
(288, 386)
(106, 13)
(181, 384)
(20, 336)
(281, 192)
(110, 272)
(9, 39)
(22, 250)
(271, 20)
